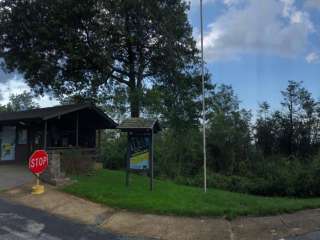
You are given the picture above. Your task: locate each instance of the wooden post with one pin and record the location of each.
(128, 160)
(45, 134)
(151, 161)
(99, 144)
(77, 129)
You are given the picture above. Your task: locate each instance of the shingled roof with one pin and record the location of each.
(139, 124)
(51, 112)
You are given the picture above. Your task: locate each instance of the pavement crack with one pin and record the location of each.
(231, 233)
(284, 223)
(103, 218)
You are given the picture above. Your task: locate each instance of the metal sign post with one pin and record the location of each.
(151, 161)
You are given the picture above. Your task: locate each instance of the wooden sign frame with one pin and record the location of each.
(150, 170)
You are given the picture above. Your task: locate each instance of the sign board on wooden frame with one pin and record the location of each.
(139, 151)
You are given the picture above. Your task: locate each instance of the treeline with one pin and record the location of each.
(274, 153)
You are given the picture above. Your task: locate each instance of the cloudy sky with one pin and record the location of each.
(258, 45)
(254, 45)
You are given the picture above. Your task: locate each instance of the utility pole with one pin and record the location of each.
(203, 105)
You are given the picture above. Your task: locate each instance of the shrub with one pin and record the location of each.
(114, 150)
(214, 180)
(276, 176)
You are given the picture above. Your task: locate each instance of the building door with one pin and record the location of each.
(22, 147)
(8, 143)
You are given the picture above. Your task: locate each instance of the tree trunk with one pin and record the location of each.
(291, 128)
(134, 100)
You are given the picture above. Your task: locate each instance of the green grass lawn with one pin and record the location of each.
(108, 187)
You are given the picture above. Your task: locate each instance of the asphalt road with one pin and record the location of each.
(18, 222)
(309, 236)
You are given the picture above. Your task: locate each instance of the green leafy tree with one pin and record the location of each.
(85, 47)
(265, 130)
(21, 102)
(229, 136)
(177, 102)
(293, 131)
(298, 118)
(2, 107)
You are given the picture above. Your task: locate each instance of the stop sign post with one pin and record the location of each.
(38, 162)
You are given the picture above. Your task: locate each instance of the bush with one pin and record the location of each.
(178, 156)
(276, 176)
(114, 150)
(214, 180)
(177, 153)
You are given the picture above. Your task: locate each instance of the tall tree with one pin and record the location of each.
(291, 99)
(176, 100)
(264, 130)
(83, 47)
(2, 107)
(293, 131)
(299, 118)
(229, 137)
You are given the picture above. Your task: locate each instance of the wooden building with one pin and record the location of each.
(60, 127)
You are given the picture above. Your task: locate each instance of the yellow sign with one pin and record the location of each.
(140, 160)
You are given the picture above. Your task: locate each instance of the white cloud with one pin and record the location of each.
(312, 4)
(291, 12)
(313, 57)
(231, 2)
(197, 2)
(5, 77)
(16, 85)
(287, 8)
(274, 27)
(225, 2)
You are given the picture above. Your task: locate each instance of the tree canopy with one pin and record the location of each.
(89, 48)
(20, 102)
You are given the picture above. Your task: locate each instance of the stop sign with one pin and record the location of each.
(38, 161)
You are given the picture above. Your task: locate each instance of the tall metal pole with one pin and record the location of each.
(203, 105)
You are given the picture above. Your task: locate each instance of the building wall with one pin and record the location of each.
(14, 144)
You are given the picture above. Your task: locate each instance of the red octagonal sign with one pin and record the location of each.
(38, 161)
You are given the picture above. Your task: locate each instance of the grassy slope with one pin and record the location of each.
(107, 187)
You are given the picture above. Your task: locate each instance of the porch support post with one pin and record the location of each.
(99, 144)
(128, 159)
(45, 134)
(77, 129)
(151, 160)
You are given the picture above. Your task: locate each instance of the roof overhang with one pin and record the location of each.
(140, 124)
(53, 112)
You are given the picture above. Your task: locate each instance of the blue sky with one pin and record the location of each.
(256, 46)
